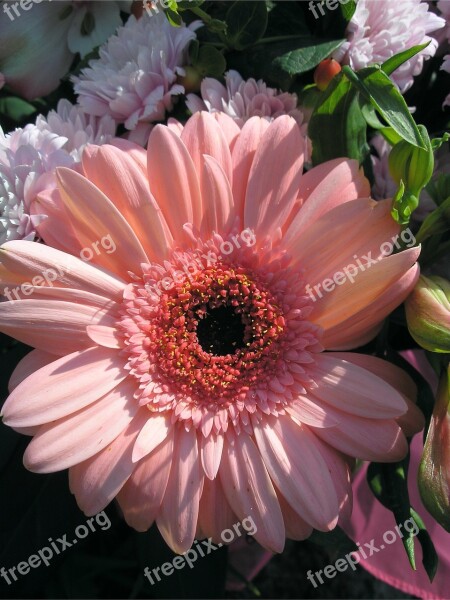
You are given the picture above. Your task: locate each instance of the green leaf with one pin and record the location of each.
(173, 17)
(390, 135)
(246, 23)
(348, 9)
(436, 222)
(439, 188)
(430, 559)
(393, 63)
(210, 62)
(187, 4)
(16, 108)
(376, 87)
(337, 126)
(307, 54)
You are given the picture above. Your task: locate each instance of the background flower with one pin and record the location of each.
(135, 78)
(381, 28)
(29, 156)
(38, 46)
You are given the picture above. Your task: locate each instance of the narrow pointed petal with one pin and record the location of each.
(243, 155)
(63, 387)
(59, 269)
(292, 456)
(328, 185)
(177, 520)
(218, 204)
(153, 433)
(120, 177)
(96, 218)
(141, 497)
(279, 158)
(97, 480)
(104, 336)
(355, 390)
(249, 490)
(211, 448)
(33, 361)
(173, 180)
(215, 514)
(306, 411)
(54, 326)
(75, 438)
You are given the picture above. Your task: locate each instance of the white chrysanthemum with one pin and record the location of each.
(381, 28)
(242, 99)
(135, 78)
(29, 156)
(444, 8)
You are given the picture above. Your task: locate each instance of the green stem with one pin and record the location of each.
(277, 38)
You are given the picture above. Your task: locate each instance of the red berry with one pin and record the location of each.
(325, 71)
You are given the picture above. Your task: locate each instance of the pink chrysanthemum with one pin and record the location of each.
(185, 373)
(242, 99)
(29, 156)
(135, 78)
(381, 28)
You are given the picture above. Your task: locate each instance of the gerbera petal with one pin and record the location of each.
(374, 290)
(328, 185)
(296, 527)
(97, 480)
(141, 497)
(202, 134)
(279, 158)
(55, 326)
(242, 156)
(79, 436)
(63, 387)
(292, 456)
(211, 448)
(173, 180)
(121, 178)
(177, 520)
(355, 390)
(58, 269)
(33, 361)
(250, 492)
(309, 413)
(379, 440)
(215, 514)
(153, 433)
(218, 209)
(96, 218)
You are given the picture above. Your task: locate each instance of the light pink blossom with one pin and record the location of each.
(381, 28)
(135, 78)
(29, 156)
(202, 385)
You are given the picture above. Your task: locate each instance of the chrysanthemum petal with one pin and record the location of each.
(173, 180)
(79, 436)
(250, 492)
(96, 218)
(177, 520)
(141, 497)
(63, 387)
(292, 456)
(279, 158)
(97, 480)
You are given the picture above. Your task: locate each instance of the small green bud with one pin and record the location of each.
(412, 165)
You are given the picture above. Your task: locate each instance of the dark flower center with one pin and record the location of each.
(221, 331)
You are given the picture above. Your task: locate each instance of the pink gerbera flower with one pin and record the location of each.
(185, 373)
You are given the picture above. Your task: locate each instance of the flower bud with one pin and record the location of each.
(325, 71)
(434, 470)
(428, 313)
(412, 165)
(191, 79)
